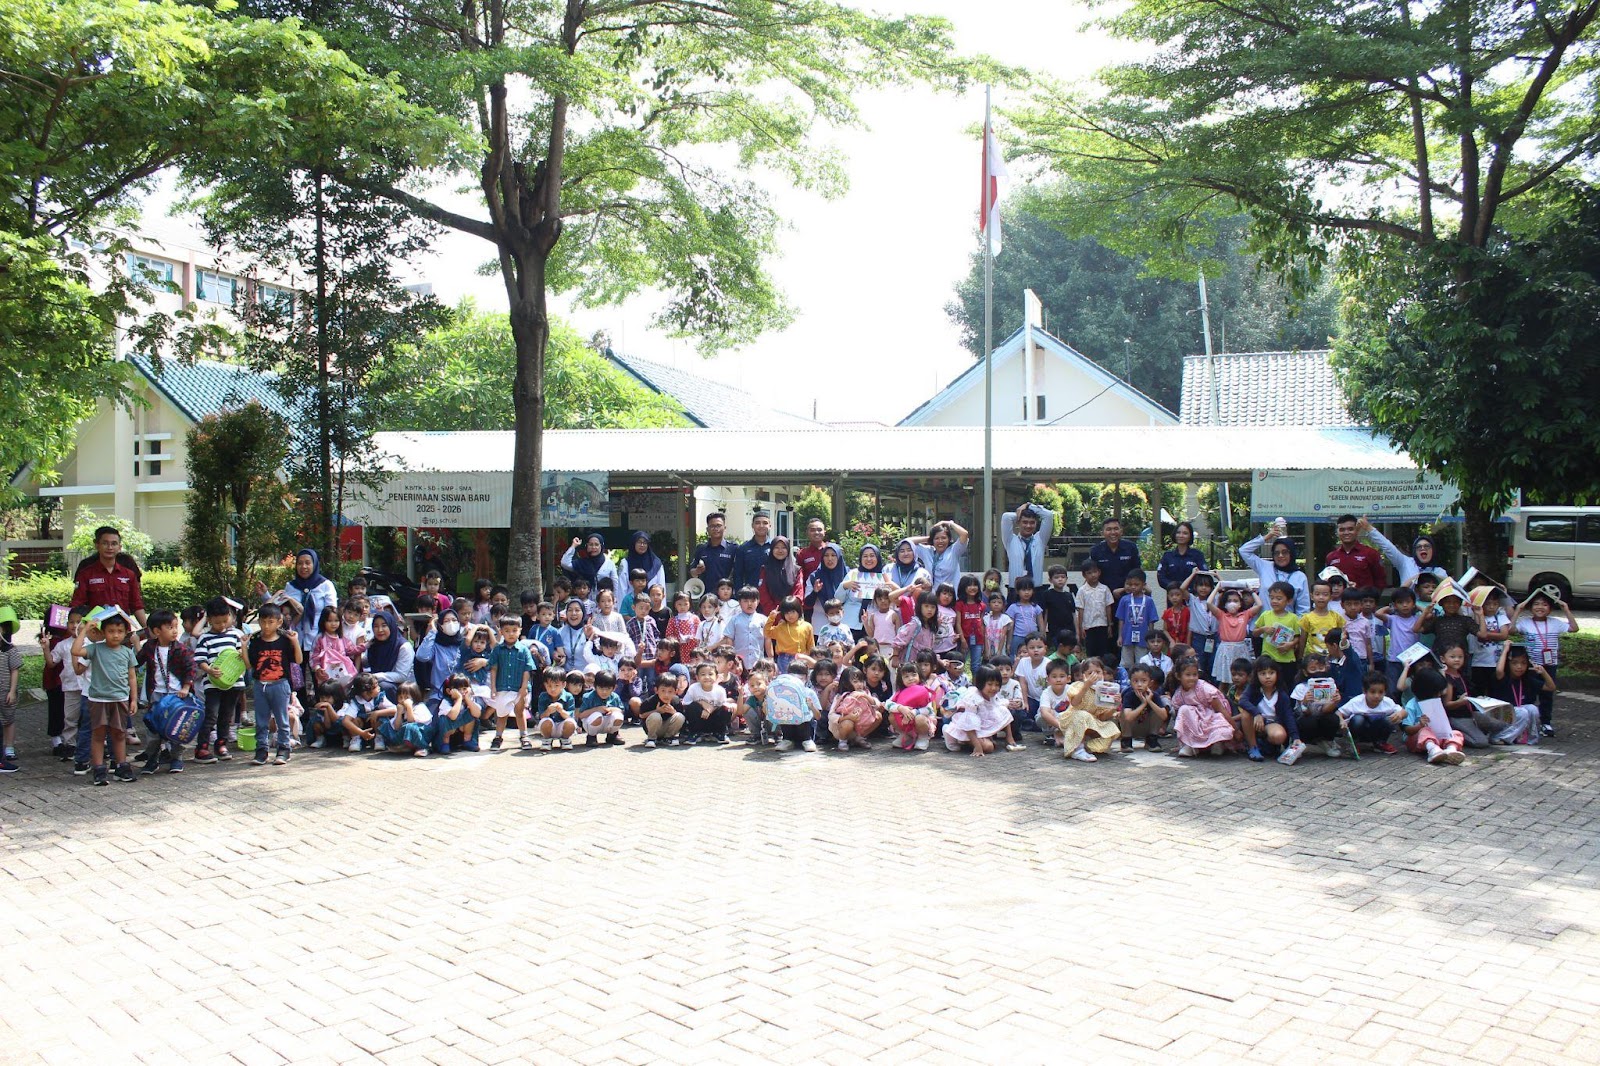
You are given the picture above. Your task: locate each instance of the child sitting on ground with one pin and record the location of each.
(555, 708)
(1145, 710)
(913, 711)
(1088, 721)
(980, 717)
(1425, 721)
(1206, 722)
(602, 711)
(1372, 716)
(456, 724)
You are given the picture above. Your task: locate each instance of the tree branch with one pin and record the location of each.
(416, 205)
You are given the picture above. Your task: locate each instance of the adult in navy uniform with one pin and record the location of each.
(713, 560)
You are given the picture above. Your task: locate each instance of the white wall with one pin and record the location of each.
(1064, 385)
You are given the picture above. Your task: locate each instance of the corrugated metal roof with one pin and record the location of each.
(1264, 389)
(727, 456)
(204, 387)
(709, 403)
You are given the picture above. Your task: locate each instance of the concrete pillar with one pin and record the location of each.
(1155, 512)
(840, 510)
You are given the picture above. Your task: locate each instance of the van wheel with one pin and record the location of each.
(1553, 579)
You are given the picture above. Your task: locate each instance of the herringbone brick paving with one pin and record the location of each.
(722, 905)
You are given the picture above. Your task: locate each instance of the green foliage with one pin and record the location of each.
(458, 377)
(815, 502)
(240, 515)
(134, 542)
(164, 588)
(1211, 504)
(1477, 359)
(1096, 298)
(1323, 121)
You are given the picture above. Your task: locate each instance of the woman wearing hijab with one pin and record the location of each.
(780, 576)
(587, 558)
(825, 586)
(1279, 566)
(389, 655)
(943, 552)
(640, 557)
(903, 571)
(441, 649)
(864, 579)
(310, 591)
(1422, 560)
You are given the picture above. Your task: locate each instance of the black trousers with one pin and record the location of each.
(222, 708)
(697, 721)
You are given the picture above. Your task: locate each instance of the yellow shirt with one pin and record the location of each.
(1316, 627)
(789, 638)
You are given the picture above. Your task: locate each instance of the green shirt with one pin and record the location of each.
(1278, 630)
(108, 671)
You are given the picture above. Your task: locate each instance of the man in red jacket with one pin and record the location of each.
(810, 557)
(1360, 563)
(111, 579)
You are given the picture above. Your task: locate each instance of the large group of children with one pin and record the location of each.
(843, 656)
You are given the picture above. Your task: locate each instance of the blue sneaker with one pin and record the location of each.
(470, 745)
(1255, 755)
(444, 749)
(176, 767)
(9, 766)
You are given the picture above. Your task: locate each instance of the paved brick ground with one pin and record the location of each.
(722, 905)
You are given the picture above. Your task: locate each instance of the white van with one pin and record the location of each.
(1557, 546)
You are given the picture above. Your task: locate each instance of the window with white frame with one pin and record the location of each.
(151, 270)
(215, 288)
(275, 298)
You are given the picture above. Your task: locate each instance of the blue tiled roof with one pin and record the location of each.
(708, 403)
(205, 387)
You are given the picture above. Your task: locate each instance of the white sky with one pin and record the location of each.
(869, 273)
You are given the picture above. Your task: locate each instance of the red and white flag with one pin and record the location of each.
(995, 180)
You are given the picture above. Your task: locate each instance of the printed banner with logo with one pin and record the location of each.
(1323, 495)
(449, 501)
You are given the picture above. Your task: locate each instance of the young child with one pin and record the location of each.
(1519, 681)
(1145, 708)
(556, 709)
(103, 654)
(1198, 585)
(1032, 672)
(1272, 713)
(1136, 613)
(270, 653)
(1060, 607)
(642, 630)
(638, 591)
(1012, 693)
(1175, 619)
(1087, 721)
(10, 673)
(1358, 628)
(1315, 623)
(410, 728)
(1401, 619)
(712, 627)
(1095, 603)
(223, 702)
(793, 709)
(1542, 636)
(1066, 649)
(1282, 639)
(1233, 620)
(980, 716)
(970, 608)
(456, 724)
(854, 713)
(1317, 698)
(1373, 716)
(1457, 703)
(1421, 737)
(333, 656)
(1206, 722)
(662, 717)
(788, 633)
(913, 712)
(747, 628)
(705, 704)
(835, 631)
(74, 695)
(602, 711)
(996, 629)
(727, 606)
(168, 670)
(684, 628)
(921, 633)
(881, 621)
(511, 672)
(1026, 616)
(1155, 652)
(362, 713)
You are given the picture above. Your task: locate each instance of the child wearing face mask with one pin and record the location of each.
(834, 631)
(1233, 628)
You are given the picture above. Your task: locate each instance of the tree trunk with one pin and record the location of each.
(1477, 534)
(530, 329)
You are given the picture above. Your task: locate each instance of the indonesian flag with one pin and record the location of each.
(995, 180)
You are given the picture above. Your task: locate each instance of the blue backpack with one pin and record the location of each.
(176, 718)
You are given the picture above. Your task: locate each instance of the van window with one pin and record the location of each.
(1553, 529)
(1589, 530)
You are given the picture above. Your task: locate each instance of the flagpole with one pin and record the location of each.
(987, 510)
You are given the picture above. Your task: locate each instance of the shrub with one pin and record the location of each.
(134, 542)
(33, 595)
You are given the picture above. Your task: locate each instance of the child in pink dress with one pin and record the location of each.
(333, 658)
(1205, 718)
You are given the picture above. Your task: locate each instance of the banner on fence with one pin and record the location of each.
(448, 501)
(1323, 495)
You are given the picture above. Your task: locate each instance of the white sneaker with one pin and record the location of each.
(320, 742)
(1453, 756)
(1082, 754)
(1185, 751)
(674, 742)
(379, 745)
(550, 743)
(921, 744)
(1292, 753)
(1332, 749)
(355, 744)
(844, 745)
(808, 745)
(649, 742)
(785, 745)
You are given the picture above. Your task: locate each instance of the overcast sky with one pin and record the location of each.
(869, 273)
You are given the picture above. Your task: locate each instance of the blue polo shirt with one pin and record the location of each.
(748, 560)
(719, 563)
(1115, 563)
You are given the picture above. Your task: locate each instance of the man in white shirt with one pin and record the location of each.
(1023, 535)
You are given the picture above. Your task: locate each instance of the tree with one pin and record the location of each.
(1097, 298)
(1476, 360)
(240, 513)
(1324, 121)
(324, 347)
(96, 98)
(594, 122)
(454, 379)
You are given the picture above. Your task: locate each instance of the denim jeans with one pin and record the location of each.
(272, 712)
(406, 734)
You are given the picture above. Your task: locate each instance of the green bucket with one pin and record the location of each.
(247, 740)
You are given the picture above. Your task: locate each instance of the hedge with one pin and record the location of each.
(167, 588)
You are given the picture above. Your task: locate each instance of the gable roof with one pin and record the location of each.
(708, 403)
(204, 387)
(1011, 348)
(1264, 389)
